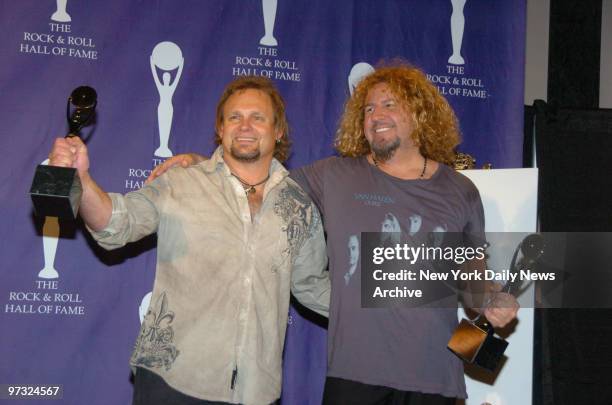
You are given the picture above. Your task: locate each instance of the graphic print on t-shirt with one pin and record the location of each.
(353, 252)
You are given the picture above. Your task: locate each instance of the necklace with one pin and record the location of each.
(421, 176)
(250, 188)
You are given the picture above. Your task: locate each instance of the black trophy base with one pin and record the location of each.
(477, 345)
(56, 192)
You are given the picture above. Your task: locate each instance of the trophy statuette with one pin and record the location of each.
(56, 191)
(474, 341)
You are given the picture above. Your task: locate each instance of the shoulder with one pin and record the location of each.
(295, 206)
(180, 180)
(332, 164)
(179, 173)
(457, 178)
(459, 183)
(290, 189)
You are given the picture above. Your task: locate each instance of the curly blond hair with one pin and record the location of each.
(436, 128)
(282, 148)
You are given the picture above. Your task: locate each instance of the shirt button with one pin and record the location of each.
(247, 281)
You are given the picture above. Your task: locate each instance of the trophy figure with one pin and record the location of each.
(358, 72)
(143, 308)
(50, 231)
(60, 14)
(474, 341)
(56, 191)
(166, 56)
(269, 15)
(457, 25)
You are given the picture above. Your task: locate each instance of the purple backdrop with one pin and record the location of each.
(70, 311)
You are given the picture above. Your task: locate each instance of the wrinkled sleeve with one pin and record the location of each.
(310, 282)
(134, 216)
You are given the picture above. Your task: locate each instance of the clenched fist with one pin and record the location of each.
(70, 152)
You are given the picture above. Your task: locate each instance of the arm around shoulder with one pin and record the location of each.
(310, 283)
(183, 160)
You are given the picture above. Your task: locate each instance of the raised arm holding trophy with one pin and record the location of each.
(213, 301)
(56, 191)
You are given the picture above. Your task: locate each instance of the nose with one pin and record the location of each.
(245, 124)
(377, 114)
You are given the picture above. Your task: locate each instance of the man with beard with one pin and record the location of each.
(234, 233)
(396, 138)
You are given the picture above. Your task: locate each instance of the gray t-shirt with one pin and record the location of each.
(402, 348)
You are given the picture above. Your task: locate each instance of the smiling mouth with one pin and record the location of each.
(382, 129)
(245, 139)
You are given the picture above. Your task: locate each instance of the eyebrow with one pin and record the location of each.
(382, 101)
(251, 113)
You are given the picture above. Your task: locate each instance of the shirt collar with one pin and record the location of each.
(216, 163)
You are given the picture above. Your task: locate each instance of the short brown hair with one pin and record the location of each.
(281, 149)
(436, 129)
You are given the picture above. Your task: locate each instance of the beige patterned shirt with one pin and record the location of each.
(215, 328)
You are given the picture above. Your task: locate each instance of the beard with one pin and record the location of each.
(384, 150)
(245, 156)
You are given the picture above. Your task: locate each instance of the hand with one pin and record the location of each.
(501, 310)
(183, 160)
(70, 152)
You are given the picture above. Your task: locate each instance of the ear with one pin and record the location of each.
(220, 130)
(278, 136)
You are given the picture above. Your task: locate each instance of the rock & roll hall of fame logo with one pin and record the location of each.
(60, 14)
(457, 26)
(357, 73)
(50, 238)
(269, 17)
(165, 60)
